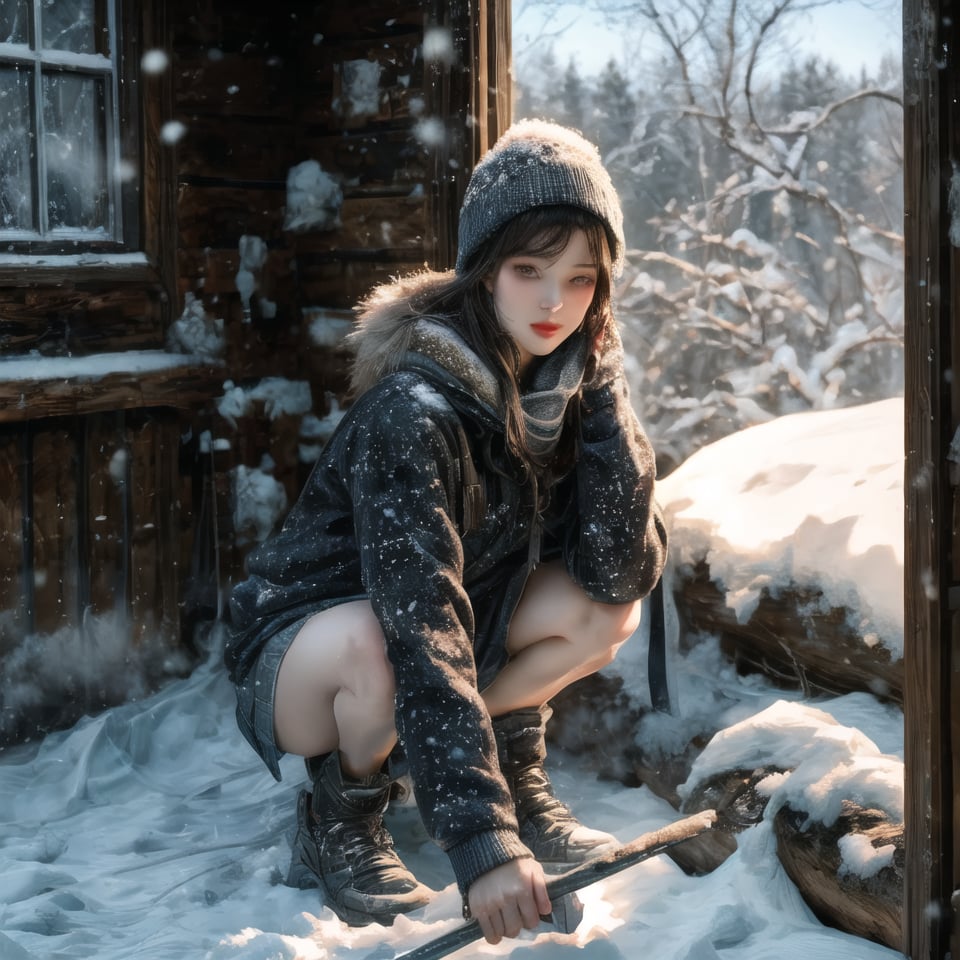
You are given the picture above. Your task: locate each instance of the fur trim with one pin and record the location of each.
(385, 324)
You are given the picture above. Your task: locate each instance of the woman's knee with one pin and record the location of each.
(341, 648)
(555, 606)
(335, 682)
(607, 627)
(370, 671)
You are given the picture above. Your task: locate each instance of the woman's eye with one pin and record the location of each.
(524, 269)
(584, 281)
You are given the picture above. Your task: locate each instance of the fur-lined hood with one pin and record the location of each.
(391, 326)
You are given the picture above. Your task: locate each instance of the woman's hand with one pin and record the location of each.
(509, 898)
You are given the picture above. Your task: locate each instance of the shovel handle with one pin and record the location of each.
(606, 865)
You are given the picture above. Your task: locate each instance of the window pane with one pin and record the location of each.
(14, 21)
(75, 150)
(69, 25)
(17, 146)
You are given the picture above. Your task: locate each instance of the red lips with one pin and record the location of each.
(545, 329)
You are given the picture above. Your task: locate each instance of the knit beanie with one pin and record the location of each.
(537, 164)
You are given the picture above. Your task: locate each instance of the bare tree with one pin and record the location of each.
(767, 270)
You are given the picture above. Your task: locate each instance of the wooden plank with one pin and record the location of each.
(342, 283)
(232, 84)
(453, 96)
(367, 158)
(13, 612)
(158, 224)
(212, 275)
(396, 226)
(71, 318)
(56, 553)
(146, 606)
(326, 85)
(214, 218)
(216, 28)
(106, 513)
(181, 386)
(500, 89)
(238, 149)
(167, 481)
(929, 754)
(99, 271)
(344, 19)
(217, 217)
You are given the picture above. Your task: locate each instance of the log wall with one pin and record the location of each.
(119, 501)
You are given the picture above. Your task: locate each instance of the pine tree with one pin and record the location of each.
(574, 97)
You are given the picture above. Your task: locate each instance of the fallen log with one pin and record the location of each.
(870, 907)
(812, 854)
(790, 638)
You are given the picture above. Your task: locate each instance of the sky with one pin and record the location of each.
(152, 831)
(846, 32)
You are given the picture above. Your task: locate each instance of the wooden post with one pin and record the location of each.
(931, 636)
(473, 97)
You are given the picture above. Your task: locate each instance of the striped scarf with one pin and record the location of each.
(555, 382)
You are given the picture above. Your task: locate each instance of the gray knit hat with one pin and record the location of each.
(538, 164)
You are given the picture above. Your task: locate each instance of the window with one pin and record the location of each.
(68, 161)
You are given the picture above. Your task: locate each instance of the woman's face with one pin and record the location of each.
(541, 302)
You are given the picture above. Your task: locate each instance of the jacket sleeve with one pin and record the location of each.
(615, 548)
(402, 481)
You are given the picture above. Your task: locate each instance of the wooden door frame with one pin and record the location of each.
(931, 34)
(472, 97)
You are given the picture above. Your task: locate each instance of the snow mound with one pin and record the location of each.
(812, 499)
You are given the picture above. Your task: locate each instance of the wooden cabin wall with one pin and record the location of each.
(93, 529)
(89, 549)
(120, 536)
(259, 97)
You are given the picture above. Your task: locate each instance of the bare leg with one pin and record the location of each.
(557, 635)
(335, 690)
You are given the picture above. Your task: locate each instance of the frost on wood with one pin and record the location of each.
(278, 395)
(253, 255)
(953, 202)
(316, 432)
(196, 333)
(313, 198)
(325, 328)
(259, 502)
(360, 89)
(35, 367)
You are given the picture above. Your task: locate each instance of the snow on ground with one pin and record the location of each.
(153, 832)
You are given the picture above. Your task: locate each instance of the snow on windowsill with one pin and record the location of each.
(87, 259)
(35, 368)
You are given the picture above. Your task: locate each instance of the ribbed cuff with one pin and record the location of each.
(481, 852)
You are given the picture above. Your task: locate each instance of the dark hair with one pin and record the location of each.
(541, 232)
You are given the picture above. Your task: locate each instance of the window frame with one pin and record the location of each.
(118, 66)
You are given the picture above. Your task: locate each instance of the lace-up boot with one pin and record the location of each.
(343, 847)
(548, 828)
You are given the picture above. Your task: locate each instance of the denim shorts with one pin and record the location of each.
(256, 694)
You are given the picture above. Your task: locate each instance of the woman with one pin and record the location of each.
(477, 534)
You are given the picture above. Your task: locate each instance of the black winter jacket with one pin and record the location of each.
(380, 518)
